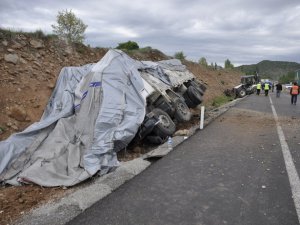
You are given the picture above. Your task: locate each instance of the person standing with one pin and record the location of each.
(266, 88)
(278, 89)
(294, 93)
(258, 88)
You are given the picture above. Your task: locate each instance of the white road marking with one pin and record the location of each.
(289, 164)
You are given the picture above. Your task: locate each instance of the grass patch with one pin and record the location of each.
(136, 51)
(9, 34)
(221, 100)
(2, 129)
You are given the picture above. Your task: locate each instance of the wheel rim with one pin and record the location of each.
(164, 121)
(181, 108)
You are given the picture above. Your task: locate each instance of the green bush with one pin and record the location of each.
(179, 55)
(129, 45)
(203, 62)
(228, 64)
(69, 27)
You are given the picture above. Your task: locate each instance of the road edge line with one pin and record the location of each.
(289, 164)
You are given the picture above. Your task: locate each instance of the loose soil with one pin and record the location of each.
(26, 84)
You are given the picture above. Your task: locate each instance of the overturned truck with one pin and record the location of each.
(171, 91)
(95, 111)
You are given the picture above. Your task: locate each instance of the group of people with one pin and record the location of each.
(294, 91)
(264, 86)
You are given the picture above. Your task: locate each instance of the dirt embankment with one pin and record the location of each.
(29, 68)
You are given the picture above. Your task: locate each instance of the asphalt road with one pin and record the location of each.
(232, 172)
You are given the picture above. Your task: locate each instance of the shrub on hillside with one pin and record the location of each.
(179, 55)
(69, 27)
(129, 45)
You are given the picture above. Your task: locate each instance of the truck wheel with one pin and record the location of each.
(182, 111)
(165, 106)
(202, 86)
(166, 126)
(194, 95)
(199, 87)
(155, 140)
(242, 93)
(188, 101)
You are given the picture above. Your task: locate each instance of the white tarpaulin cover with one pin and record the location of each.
(94, 111)
(171, 72)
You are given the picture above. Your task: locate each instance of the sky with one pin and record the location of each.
(243, 31)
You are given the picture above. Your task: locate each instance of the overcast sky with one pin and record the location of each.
(243, 31)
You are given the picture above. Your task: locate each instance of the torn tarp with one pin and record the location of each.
(94, 111)
(170, 72)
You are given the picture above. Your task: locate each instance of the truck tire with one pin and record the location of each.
(165, 127)
(182, 111)
(155, 140)
(202, 86)
(198, 86)
(165, 106)
(194, 95)
(188, 101)
(242, 93)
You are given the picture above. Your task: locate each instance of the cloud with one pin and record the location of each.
(244, 31)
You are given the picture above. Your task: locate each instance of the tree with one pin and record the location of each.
(69, 27)
(129, 45)
(228, 64)
(288, 78)
(179, 55)
(203, 62)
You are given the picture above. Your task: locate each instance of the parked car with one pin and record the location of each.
(287, 86)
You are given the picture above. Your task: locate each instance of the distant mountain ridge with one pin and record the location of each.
(270, 69)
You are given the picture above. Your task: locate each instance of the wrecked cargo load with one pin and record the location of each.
(95, 111)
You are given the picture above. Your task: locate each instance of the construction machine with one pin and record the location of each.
(247, 86)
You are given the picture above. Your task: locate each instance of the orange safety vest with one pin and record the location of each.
(295, 90)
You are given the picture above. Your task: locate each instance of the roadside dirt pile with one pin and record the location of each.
(29, 67)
